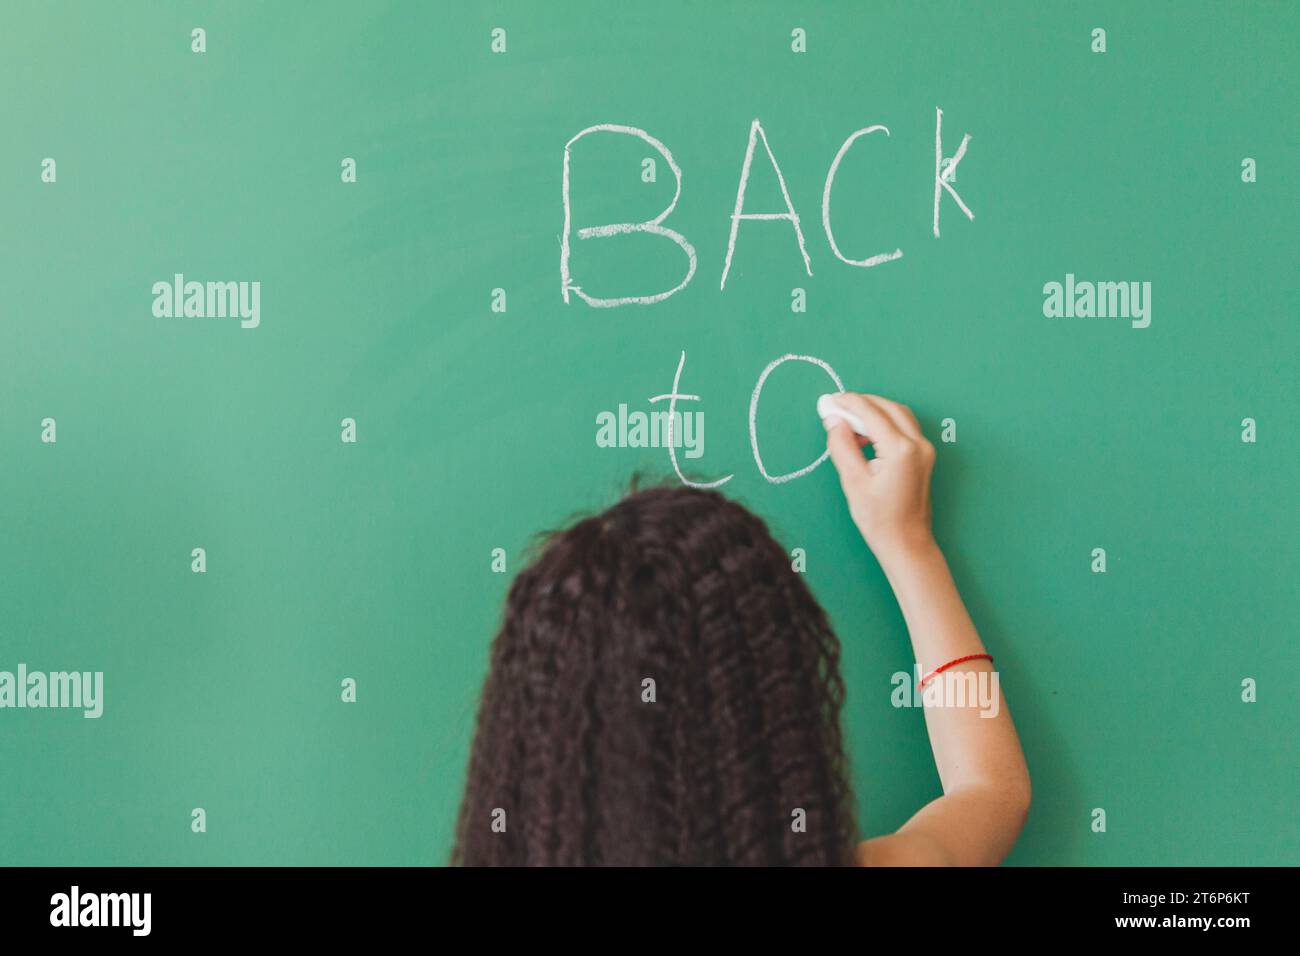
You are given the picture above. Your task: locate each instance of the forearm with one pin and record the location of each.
(974, 746)
(976, 750)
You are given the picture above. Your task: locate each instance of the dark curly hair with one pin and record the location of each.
(689, 589)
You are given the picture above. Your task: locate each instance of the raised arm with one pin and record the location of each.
(981, 766)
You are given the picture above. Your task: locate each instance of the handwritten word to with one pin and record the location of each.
(676, 396)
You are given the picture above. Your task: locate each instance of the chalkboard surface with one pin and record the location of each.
(300, 327)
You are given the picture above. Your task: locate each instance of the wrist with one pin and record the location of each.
(918, 575)
(902, 556)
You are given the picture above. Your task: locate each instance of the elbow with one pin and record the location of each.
(1009, 803)
(1019, 799)
(1011, 813)
(1007, 796)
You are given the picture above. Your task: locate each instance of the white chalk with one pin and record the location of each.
(826, 407)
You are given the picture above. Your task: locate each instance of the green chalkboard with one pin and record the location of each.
(391, 178)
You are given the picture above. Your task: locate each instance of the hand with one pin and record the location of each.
(889, 495)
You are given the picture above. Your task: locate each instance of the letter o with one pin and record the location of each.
(753, 415)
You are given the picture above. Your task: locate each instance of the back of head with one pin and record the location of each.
(664, 689)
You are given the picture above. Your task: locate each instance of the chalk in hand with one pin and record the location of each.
(826, 407)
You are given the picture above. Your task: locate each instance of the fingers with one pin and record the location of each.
(900, 415)
(882, 431)
(893, 429)
(845, 447)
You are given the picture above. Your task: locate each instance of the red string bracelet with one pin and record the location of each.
(961, 660)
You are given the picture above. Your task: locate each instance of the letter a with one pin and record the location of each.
(756, 130)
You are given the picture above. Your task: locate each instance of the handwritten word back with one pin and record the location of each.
(945, 169)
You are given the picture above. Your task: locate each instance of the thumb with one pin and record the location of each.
(846, 453)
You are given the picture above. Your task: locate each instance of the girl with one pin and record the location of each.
(664, 688)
